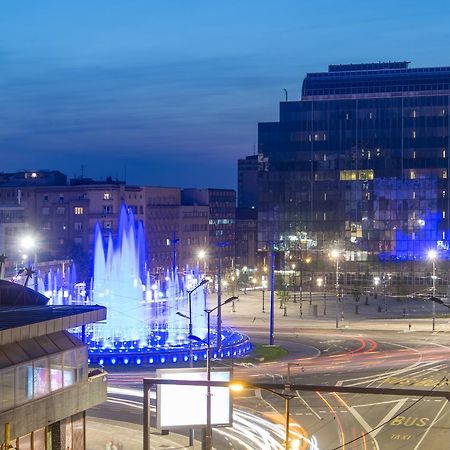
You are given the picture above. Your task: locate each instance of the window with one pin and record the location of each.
(41, 378)
(107, 196)
(107, 209)
(78, 226)
(45, 211)
(60, 210)
(78, 210)
(444, 174)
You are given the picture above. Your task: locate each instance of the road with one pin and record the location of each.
(365, 351)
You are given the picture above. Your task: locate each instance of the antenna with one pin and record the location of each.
(285, 94)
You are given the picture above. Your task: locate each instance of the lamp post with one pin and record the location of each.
(208, 434)
(191, 359)
(320, 284)
(263, 288)
(28, 244)
(376, 282)
(335, 255)
(220, 246)
(287, 399)
(201, 255)
(432, 255)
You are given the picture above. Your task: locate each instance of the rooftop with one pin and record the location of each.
(25, 315)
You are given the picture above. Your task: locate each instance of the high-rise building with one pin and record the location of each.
(248, 169)
(361, 162)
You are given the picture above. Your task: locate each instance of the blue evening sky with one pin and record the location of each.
(170, 92)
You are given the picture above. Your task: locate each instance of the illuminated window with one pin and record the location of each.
(444, 194)
(444, 174)
(325, 196)
(413, 195)
(414, 155)
(354, 175)
(444, 153)
(368, 154)
(107, 196)
(412, 175)
(414, 134)
(414, 113)
(78, 210)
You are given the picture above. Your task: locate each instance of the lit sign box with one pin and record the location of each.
(185, 406)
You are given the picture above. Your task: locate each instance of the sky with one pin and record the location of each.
(170, 92)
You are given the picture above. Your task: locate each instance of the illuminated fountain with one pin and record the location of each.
(142, 325)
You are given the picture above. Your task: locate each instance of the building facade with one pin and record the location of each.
(45, 383)
(63, 218)
(361, 163)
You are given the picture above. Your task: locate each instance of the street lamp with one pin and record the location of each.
(335, 255)
(208, 437)
(320, 284)
(220, 246)
(191, 359)
(263, 287)
(28, 244)
(287, 399)
(376, 282)
(201, 255)
(432, 255)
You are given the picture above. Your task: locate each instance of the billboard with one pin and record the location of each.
(180, 406)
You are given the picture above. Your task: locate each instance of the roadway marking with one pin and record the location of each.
(389, 415)
(429, 427)
(358, 417)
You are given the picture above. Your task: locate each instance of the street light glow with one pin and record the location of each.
(201, 254)
(334, 253)
(432, 254)
(28, 242)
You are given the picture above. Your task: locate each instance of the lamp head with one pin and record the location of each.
(334, 253)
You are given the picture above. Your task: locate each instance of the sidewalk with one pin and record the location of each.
(105, 434)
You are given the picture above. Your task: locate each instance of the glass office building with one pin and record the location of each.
(361, 162)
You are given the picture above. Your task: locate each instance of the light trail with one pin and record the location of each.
(249, 431)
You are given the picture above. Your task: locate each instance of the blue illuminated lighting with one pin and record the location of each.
(140, 305)
(425, 233)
